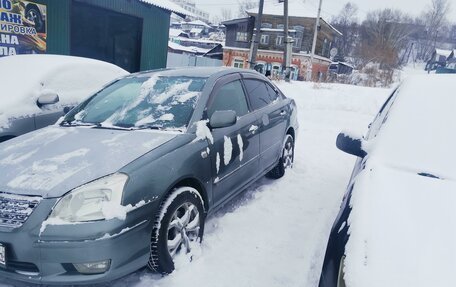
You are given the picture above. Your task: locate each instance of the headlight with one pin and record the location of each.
(88, 202)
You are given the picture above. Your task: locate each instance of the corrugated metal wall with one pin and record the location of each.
(155, 27)
(58, 26)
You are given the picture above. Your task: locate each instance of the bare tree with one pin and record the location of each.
(245, 5)
(347, 23)
(434, 21)
(384, 34)
(226, 15)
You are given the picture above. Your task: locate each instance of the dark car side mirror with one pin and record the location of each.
(350, 145)
(48, 98)
(222, 119)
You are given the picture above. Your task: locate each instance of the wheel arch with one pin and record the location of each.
(291, 132)
(32, 5)
(194, 183)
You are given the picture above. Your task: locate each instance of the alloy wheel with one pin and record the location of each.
(183, 228)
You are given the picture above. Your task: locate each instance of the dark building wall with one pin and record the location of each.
(58, 26)
(155, 30)
(304, 28)
(245, 25)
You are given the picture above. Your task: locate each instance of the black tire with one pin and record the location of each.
(284, 161)
(160, 259)
(34, 14)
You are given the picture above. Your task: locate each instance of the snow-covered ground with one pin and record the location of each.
(275, 233)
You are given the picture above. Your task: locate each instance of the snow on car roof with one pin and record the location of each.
(418, 132)
(26, 76)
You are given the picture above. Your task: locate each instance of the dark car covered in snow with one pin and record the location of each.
(127, 178)
(396, 222)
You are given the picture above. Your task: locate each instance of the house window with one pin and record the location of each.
(279, 41)
(266, 25)
(280, 26)
(299, 28)
(241, 36)
(296, 42)
(264, 39)
(238, 63)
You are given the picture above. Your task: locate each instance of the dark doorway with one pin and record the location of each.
(106, 35)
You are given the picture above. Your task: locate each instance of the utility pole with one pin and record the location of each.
(286, 53)
(314, 44)
(256, 36)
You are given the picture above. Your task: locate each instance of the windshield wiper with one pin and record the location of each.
(148, 127)
(67, 123)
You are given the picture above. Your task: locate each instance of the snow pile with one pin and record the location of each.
(72, 78)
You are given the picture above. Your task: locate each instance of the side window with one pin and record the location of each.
(273, 95)
(231, 96)
(258, 93)
(382, 116)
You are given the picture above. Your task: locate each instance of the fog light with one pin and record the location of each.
(93, 267)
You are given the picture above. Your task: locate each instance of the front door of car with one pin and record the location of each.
(235, 151)
(48, 116)
(273, 112)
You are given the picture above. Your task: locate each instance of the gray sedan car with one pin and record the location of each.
(128, 177)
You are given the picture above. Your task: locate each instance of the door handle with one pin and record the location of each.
(253, 129)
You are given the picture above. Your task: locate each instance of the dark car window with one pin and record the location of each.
(382, 116)
(258, 93)
(273, 95)
(231, 96)
(141, 102)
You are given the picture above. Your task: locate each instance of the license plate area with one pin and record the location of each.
(2, 256)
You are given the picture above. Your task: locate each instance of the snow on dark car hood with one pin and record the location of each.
(55, 160)
(401, 229)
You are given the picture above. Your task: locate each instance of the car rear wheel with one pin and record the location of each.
(285, 161)
(178, 226)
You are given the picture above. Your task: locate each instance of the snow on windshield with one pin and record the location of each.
(158, 102)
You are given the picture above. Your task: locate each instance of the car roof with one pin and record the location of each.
(418, 132)
(203, 72)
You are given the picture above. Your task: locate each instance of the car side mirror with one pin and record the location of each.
(222, 119)
(350, 145)
(47, 98)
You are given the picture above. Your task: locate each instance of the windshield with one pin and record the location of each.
(136, 103)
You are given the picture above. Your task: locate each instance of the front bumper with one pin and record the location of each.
(48, 257)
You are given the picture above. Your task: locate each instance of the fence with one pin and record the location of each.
(183, 60)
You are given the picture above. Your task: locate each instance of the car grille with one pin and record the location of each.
(15, 209)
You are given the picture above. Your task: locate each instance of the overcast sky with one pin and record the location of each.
(332, 7)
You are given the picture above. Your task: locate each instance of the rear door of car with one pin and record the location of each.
(273, 111)
(235, 152)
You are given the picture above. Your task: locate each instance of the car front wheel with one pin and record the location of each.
(285, 161)
(178, 226)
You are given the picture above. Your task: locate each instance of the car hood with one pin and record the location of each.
(401, 229)
(52, 161)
